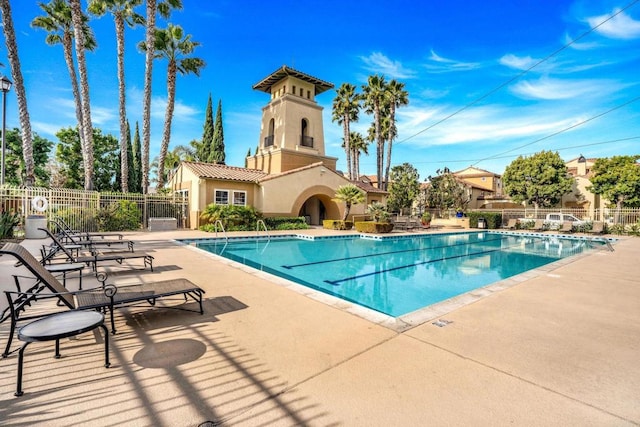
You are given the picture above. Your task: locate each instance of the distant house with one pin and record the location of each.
(580, 197)
(485, 189)
(289, 175)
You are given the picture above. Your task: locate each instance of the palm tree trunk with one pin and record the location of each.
(87, 152)
(146, 111)
(379, 147)
(392, 113)
(67, 48)
(168, 116)
(124, 164)
(347, 144)
(21, 96)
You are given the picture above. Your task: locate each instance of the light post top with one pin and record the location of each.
(5, 84)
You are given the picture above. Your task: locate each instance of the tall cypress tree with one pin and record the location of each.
(217, 147)
(204, 150)
(135, 179)
(130, 166)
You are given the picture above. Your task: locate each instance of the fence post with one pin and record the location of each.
(145, 219)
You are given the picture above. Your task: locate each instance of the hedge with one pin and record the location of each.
(493, 219)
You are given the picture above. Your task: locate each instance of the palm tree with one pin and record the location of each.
(78, 19)
(123, 13)
(358, 145)
(374, 94)
(164, 8)
(57, 21)
(173, 158)
(173, 45)
(396, 97)
(350, 195)
(21, 96)
(346, 106)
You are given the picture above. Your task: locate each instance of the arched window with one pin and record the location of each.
(268, 140)
(305, 139)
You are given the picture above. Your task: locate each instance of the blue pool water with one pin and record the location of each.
(396, 276)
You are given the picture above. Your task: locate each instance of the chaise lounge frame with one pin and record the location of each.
(95, 257)
(106, 297)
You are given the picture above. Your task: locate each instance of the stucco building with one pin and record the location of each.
(290, 174)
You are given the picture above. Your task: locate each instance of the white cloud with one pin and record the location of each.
(439, 64)
(483, 124)
(622, 26)
(518, 62)
(379, 63)
(555, 89)
(580, 45)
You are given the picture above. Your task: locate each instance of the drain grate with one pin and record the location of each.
(442, 322)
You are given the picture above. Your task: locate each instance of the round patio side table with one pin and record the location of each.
(56, 326)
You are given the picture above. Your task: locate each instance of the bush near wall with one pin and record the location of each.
(286, 223)
(494, 219)
(373, 227)
(335, 224)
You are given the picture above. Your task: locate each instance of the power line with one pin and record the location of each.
(475, 161)
(492, 91)
(562, 130)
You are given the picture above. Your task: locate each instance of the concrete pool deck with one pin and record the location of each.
(560, 347)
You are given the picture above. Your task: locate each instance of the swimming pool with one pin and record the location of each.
(398, 275)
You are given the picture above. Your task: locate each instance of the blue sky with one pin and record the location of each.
(450, 54)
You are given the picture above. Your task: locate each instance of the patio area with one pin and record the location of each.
(559, 348)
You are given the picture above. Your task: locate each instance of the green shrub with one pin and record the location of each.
(286, 223)
(373, 227)
(79, 218)
(8, 220)
(120, 216)
(233, 218)
(494, 219)
(335, 224)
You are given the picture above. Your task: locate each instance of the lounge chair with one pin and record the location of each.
(538, 225)
(597, 228)
(567, 227)
(512, 224)
(93, 242)
(62, 225)
(95, 257)
(105, 297)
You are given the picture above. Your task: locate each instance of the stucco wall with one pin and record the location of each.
(286, 194)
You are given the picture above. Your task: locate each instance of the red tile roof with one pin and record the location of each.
(224, 172)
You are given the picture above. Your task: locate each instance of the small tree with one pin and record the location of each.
(403, 188)
(350, 195)
(378, 211)
(618, 180)
(446, 192)
(541, 179)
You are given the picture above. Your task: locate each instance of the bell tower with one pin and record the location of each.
(291, 133)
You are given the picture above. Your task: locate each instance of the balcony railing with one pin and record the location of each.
(268, 141)
(306, 141)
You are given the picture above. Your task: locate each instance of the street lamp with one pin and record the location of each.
(5, 86)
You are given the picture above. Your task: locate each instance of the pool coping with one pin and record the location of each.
(415, 318)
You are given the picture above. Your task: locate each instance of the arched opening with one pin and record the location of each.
(268, 140)
(305, 139)
(313, 210)
(316, 204)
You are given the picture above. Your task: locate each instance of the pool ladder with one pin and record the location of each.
(215, 227)
(264, 226)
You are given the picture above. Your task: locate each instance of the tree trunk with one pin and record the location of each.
(347, 144)
(124, 162)
(392, 136)
(146, 110)
(168, 117)
(87, 152)
(21, 97)
(379, 146)
(67, 48)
